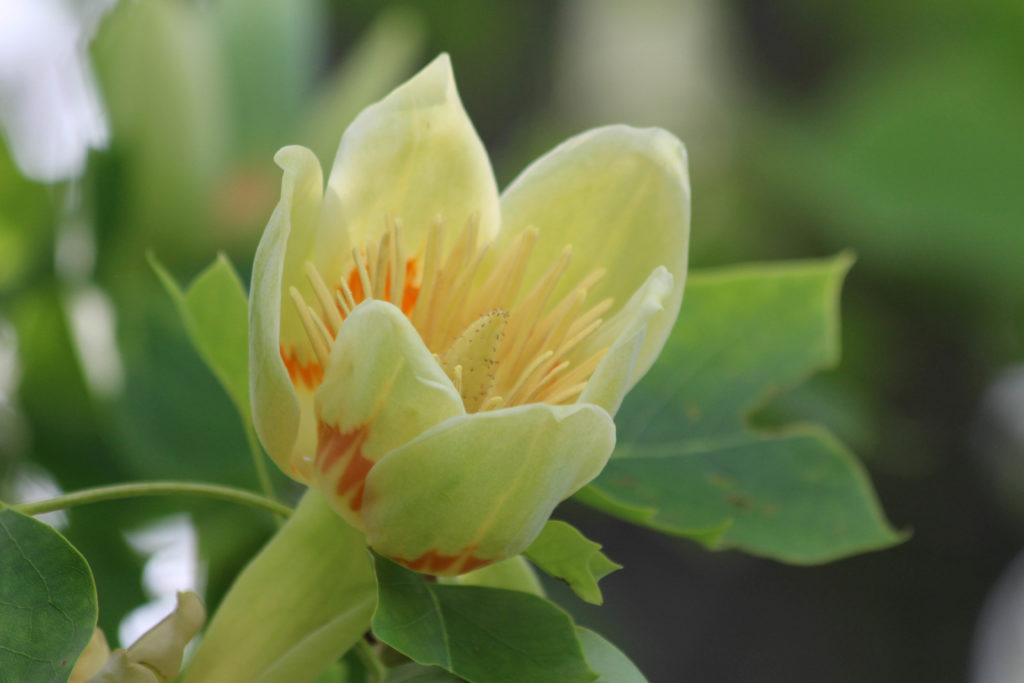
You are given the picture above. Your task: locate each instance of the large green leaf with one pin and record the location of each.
(47, 601)
(215, 312)
(484, 635)
(687, 463)
(566, 554)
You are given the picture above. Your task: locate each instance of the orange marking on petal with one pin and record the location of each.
(433, 562)
(310, 374)
(334, 447)
(430, 561)
(354, 476)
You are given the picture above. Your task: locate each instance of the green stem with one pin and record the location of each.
(376, 672)
(154, 488)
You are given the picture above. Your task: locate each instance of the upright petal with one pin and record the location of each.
(621, 197)
(477, 489)
(161, 648)
(382, 389)
(286, 244)
(413, 155)
(624, 337)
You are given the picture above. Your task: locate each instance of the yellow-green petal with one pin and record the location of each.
(478, 488)
(621, 197)
(382, 389)
(624, 336)
(413, 155)
(92, 659)
(285, 245)
(161, 647)
(121, 669)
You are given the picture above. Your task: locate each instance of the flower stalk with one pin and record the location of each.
(297, 607)
(154, 488)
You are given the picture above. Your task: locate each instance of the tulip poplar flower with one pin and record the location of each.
(443, 363)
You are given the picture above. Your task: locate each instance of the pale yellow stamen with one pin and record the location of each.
(563, 396)
(495, 359)
(460, 290)
(380, 273)
(491, 403)
(525, 375)
(345, 308)
(490, 293)
(346, 298)
(325, 333)
(581, 372)
(364, 275)
(542, 378)
(323, 297)
(590, 316)
(397, 264)
(524, 317)
(318, 343)
(431, 259)
(550, 332)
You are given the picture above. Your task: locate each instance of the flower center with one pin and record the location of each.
(499, 347)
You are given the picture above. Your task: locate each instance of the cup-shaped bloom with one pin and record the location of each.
(443, 363)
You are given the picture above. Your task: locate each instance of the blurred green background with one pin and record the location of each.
(894, 129)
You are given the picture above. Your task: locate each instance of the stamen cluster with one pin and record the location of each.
(498, 348)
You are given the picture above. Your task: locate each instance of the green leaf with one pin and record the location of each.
(215, 312)
(484, 635)
(687, 464)
(47, 601)
(607, 660)
(564, 553)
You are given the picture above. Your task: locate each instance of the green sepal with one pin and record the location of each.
(566, 554)
(304, 600)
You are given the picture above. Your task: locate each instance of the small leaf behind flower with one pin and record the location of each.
(47, 601)
(564, 553)
(483, 635)
(215, 312)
